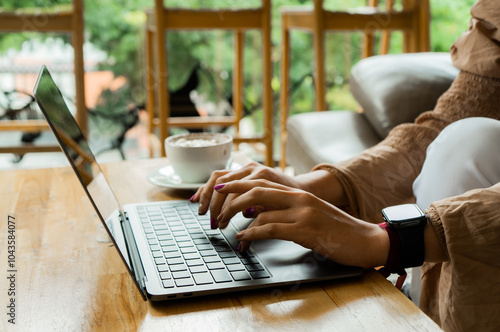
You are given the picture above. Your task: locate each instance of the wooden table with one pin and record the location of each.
(69, 278)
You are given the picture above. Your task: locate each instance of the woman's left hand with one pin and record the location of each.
(291, 214)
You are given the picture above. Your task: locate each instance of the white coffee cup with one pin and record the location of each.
(195, 156)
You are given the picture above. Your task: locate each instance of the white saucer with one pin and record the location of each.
(166, 177)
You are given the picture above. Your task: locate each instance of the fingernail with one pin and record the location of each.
(239, 247)
(219, 186)
(192, 197)
(250, 212)
(213, 223)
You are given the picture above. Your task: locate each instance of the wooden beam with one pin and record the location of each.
(185, 19)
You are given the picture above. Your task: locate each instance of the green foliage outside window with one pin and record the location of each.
(117, 27)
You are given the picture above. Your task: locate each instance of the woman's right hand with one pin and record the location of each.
(209, 198)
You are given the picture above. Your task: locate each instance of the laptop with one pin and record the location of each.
(169, 250)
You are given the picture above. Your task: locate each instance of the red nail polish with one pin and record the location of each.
(213, 223)
(249, 213)
(239, 247)
(219, 186)
(192, 197)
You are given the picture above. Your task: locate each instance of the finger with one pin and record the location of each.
(204, 194)
(269, 225)
(269, 198)
(245, 245)
(245, 184)
(226, 192)
(196, 196)
(216, 205)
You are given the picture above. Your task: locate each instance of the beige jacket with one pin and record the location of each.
(462, 294)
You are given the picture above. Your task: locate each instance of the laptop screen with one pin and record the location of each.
(77, 150)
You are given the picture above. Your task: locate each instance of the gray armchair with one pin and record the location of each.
(391, 89)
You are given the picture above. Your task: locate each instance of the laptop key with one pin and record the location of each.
(172, 254)
(215, 266)
(188, 250)
(203, 278)
(185, 244)
(197, 235)
(221, 276)
(205, 253)
(180, 234)
(201, 241)
(227, 254)
(167, 243)
(159, 222)
(165, 275)
(231, 260)
(191, 256)
(157, 254)
(161, 227)
(260, 274)
(204, 246)
(211, 259)
(245, 254)
(162, 268)
(250, 260)
(223, 248)
(218, 238)
(184, 282)
(173, 261)
(194, 262)
(240, 275)
(181, 274)
(198, 269)
(168, 283)
(236, 267)
(160, 261)
(169, 248)
(253, 267)
(178, 267)
(182, 239)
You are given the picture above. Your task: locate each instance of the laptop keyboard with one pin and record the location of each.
(188, 252)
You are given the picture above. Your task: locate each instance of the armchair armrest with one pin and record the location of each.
(393, 89)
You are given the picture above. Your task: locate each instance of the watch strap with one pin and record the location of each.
(393, 264)
(412, 245)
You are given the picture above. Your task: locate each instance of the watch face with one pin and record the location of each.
(406, 215)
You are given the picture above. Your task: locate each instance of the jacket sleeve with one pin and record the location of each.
(471, 227)
(462, 293)
(383, 175)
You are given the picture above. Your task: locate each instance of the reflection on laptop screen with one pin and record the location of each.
(76, 148)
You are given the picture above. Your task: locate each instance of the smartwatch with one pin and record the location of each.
(408, 222)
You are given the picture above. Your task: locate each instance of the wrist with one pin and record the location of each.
(323, 184)
(382, 246)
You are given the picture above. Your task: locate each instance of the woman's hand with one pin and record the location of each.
(295, 215)
(320, 183)
(207, 197)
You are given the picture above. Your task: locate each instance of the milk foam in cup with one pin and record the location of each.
(195, 156)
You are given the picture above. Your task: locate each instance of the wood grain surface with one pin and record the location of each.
(70, 278)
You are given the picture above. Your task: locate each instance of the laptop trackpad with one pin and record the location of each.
(288, 260)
